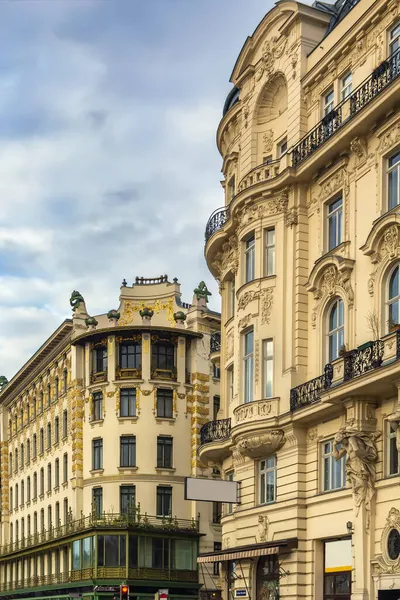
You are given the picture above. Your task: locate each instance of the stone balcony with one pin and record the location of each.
(253, 412)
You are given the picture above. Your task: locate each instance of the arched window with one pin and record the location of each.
(394, 298)
(335, 329)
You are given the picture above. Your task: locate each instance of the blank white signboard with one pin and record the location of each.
(211, 490)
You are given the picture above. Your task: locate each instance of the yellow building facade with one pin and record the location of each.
(306, 251)
(98, 431)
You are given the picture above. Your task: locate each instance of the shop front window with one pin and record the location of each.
(267, 583)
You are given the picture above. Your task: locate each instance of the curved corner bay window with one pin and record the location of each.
(248, 365)
(336, 329)
(162, 359)
(267, 578)
(111, 551)
(249, 253)
(393, 180)
(128, 402)
(393, 298)
(130, 355)
(100, 359)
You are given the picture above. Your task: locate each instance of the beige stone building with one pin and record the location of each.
(98, 431)
(307, 253)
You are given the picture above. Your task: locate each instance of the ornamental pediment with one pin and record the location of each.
(329, 274)
(383, 239)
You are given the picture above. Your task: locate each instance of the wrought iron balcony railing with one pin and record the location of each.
(132, 519)
(217, 220)
(310, 391)
(215, 431)
(378, 81)
(215, 342)
(363, 359)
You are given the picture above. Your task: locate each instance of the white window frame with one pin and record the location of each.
(249, 258)
(389, 170)
(336, 216)
(266, 466)
(391, 435)
(393, 40)
(328, 106)
(282, 147)
(395, 299)
(269, 252)
(336, 331)
(248, 369)
(346, 88)
(327, 458)
(268, 367)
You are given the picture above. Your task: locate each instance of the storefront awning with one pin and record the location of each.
(250, 551)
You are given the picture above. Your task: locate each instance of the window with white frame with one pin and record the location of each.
(282, 147)
(394, 39)
(267, 480)
(392, 452)
(335, 329)
(346, 85)
(229, 476)
(248, 365)
(393, 298)
(230, 383)
(393, 180)
(335, 223)
(268, 368)
(269, 259)
(249, 254)
(328, 102)
(334, 471)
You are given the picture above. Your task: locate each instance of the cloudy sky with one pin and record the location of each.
(108, 162)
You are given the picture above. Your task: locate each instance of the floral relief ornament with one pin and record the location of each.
(390, 242)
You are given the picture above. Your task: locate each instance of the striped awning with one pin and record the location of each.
(236, 555)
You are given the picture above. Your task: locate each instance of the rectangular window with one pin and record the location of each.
(216, 371)
(216, 512)
(130, 355)
(282, 148)
(394, 39)
(249, 254)
(41, 441)
(164, 501)
(268, 367)
(98, 500)
(231, 298)
(216, 565)
(100, 359)
(393, 180)
(229, 476)
(164, 403)
(128, 402)
(392, 452)
(128, 451)
(267, 480)
(97, 410)
(334, 470)
(216, 407)
(329, 102)
(164, 452)
(335, 217)
(346, 85)
(65, 423)
(269, 263)
(230, 382)
(163, 356)
(56, 430)
(127, 494)
(97, 454)
(248, 368)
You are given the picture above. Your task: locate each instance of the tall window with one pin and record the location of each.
(269, 260)
(49, 477)
(11, 499)
(127, 498)
(216, 406)
(65, 423)
(267, 480)
(35, 489)
(346, 85)
(97, 454)
(56, 430)
(216, 371)
(163, 356)
(337, 563)
(217, 548)
(65, 381)
(282, 147)
(216, 512)
(231, 297)
(28, 451)
(329, 102)
(248, 368)
(268, 367)
(164, 403)
(130, 355)
(97, 412)
(65, 509)
(164, 501)
(393, 180)
(41, 481)
(249, 254)
(394, 298)
(57, 387)
(335, 216)
(22, 457)
(48, 395)
(100, 359)
(231, 188)
(230, 382)
(229, 476)
(40, 403)
(48, 436)
(164, 452)
(334, 470)
(34, 449)
(10, 462)
(49, 517)
(98, 500)
(65, 468)
(336, 329)
(394, 39)
(57, 473)
(127, 451)
(128, 402)
(33, 409)
(392, 452)
(41, 441)
(22, 492)
(28, 489)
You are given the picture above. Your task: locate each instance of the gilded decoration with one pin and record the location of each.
(129, 309)
(384, 563)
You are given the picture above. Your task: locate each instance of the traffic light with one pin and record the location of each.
(124, 591)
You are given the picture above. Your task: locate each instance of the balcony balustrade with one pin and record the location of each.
(262, 172)
(215, 431)
(364, 359)
(215, 342)
(310, 391)
(217, 221)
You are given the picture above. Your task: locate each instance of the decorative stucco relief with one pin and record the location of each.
(252, 210)
(327, 189)
(384, 563)
(229, 344)
(262, 528)
(272, 50)
(331, 281)
(257, 445)
(265, 296)
(227, 259)
(268, 141)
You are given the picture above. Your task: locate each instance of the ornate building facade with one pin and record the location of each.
(306, 251)
(98, 431)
